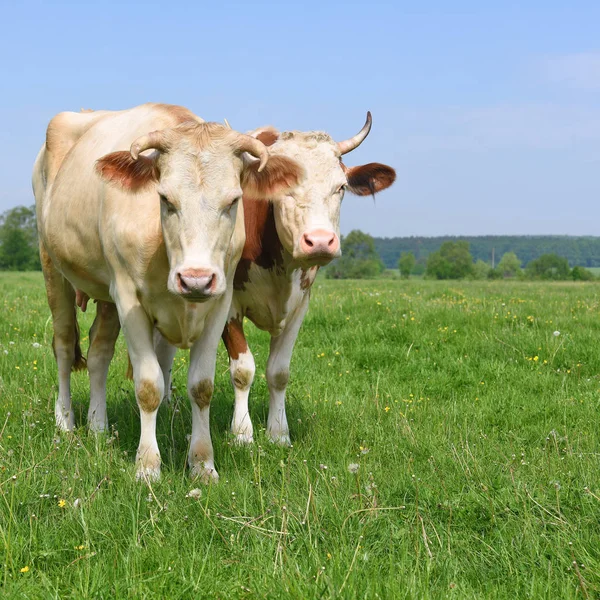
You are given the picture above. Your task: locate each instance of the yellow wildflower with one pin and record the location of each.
(62, 503)
(25, 569)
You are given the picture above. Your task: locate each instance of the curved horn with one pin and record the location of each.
(155, 139)
(246, 143)
(354, 142)
(227, 124)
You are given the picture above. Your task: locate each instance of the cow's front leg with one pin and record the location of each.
(241, 368)
(278, 374)
(201, 376)
(149, 383)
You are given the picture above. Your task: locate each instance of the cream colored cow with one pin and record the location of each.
(140, 209)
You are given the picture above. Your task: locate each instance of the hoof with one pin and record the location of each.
(147, 465)
(204, 473)
(243, 439)
(65, 422)
(281, 439)
(147, 474)
(97, 426)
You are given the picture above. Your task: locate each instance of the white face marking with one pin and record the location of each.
(315, 204)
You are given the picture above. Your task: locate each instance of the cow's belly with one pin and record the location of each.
(269, 299)
(81, 262)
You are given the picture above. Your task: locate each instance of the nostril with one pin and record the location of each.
(181, 282)
(212, 282)
(331, 241)
(308, 241)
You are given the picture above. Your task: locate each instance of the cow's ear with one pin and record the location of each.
(120, 168)
(268, 135)
(279, 176)
(367, 180)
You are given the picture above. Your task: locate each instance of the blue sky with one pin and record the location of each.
(489, 112)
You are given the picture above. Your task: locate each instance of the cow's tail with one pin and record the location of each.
(129, 373)
(80, 363)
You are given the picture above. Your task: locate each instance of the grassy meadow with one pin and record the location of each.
(445, 437)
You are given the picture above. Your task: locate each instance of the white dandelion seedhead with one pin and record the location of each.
(353, 468)
(556, 333)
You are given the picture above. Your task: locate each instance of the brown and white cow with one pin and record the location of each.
(286, 243)
(154, 234)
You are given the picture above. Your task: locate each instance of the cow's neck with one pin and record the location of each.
(264, 248)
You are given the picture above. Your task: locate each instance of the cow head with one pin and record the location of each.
(199, 172)
(308, 217)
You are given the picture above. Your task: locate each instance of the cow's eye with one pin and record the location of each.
(167, 204)
(342, 188)
(233, 203)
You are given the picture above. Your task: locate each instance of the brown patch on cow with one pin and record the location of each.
(121, 169)
(268, 136)
(202, 392)
(262, 246)
(242, 378)
(234, 338)
(367, 180)
(147, 396)
(307, 277)
(280, 379)
(281, 174)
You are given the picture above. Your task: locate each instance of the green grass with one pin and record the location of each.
(475, 429)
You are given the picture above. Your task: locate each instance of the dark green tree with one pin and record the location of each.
(548, 266)
(481, 270)
(406, 264)
(452, 261)
(510, 265)
(582, 274)
(18, 240)
(359, 258)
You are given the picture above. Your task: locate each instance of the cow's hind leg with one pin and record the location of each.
(278, 374)
(103, 335)
(65, 343)
(241, 368)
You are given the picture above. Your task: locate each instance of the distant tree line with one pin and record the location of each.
(365, 257)
(453, 260)
(579, 251)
